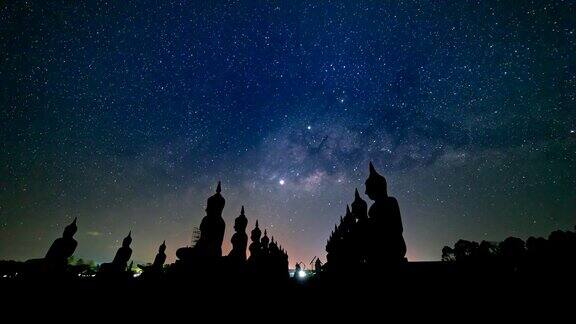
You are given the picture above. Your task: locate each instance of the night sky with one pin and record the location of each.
(125, 114)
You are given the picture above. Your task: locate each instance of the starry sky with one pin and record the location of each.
(125, 114)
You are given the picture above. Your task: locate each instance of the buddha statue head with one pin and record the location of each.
(241, 222)
(127, 240)
(376, 187)
(359, 206)
(256, 233)
(265, 240)
(71, 229)
(216, 203)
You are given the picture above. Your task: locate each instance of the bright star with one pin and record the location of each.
(281, 182)
(309, 127)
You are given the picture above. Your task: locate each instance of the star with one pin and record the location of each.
(281, 182)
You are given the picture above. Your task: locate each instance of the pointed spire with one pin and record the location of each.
(256, 223)
(374, 174)
(71, 228)
(242, 210)
(219, 187)
(127, 240)
(372, 169)
(347, 210)
(376, 183)
(356, 194)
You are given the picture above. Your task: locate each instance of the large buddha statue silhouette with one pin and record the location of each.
(63, 247)
(239, 238)
(212, 227)
(387, 244)
(56, 259)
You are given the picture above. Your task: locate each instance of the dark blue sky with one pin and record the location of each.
(127, 114)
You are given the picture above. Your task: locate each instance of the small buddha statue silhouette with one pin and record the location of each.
(255, 247)
(239, 238)
(212, 227)
(160, 258)
(120, 262)
(264, 243)
(63, 247)
(155, 269)
(273, 247)
(124, 253)
(349, 218)
(359, 207)
(361, 235)
(318, 266)
(387, 242)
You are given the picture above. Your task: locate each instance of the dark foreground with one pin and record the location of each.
(419, 289)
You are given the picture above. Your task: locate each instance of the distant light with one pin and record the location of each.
(281, 182)
(309, 127)
(301, 274)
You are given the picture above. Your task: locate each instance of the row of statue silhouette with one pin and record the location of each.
(364, 240)
(368, 239)
(267, 258)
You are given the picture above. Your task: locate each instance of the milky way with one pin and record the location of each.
(125, 114)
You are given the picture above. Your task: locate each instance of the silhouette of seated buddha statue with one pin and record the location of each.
(359, 207)
(360, 236)
(239, 238)
(209, 244)
(158, 264)
(56, 259)
(264, 244)
(255, 247)
(387, 244)
(120, 261)
(63, 247)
